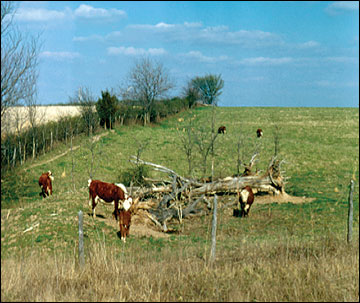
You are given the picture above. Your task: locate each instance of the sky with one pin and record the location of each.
(288, 53)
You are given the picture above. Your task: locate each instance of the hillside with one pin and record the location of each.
(320, 147)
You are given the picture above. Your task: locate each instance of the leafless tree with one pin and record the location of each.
(191, 93)
(86, 100)
(187, 139)
(205, 139)
(147, 81)
(19, 60)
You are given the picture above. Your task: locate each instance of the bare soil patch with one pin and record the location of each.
(142, 225)
(284, 198)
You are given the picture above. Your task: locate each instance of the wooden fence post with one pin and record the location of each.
(213, 232)
(350, 212)
(20, 152)
(33, 155)
(51, 140)
(81, 240)
(14, 157)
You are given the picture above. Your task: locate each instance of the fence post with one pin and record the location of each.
(14, 157)
(51, 140)
(213, 232)
(81, 240)
(33, 155)
(350, 212)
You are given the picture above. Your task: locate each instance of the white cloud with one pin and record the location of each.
(87, 11)
(338, 7)
(112, 35)
(342, 59)
(336, 84)
(83, 11)
(60, 55)
(214, 34)
(39, 14)
(132, 51)
(265, 61)
(199, 56)
(309, 44)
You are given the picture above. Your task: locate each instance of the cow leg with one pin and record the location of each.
(247, 209)
(42, 193)
(116, 210)
(94, 203)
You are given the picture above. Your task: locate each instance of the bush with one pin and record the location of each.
(106, 109)
(134, 175)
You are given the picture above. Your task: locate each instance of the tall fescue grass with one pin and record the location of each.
(287, 270)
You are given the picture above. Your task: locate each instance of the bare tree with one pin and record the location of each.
(86, 100)
(147, 81)
(19, 60)
(205, 139)
(191, 93)
(187, 143)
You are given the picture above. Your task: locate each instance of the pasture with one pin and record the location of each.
(281, 252)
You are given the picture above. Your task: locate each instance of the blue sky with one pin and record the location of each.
(268, 53)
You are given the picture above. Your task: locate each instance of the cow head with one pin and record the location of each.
(50, 175)
(124, 223)
(128, 202)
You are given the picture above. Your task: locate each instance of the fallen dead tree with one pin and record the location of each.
(181, 197)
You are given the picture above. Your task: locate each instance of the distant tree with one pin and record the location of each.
(86, 100)
(208, 87)
(106, 109)
(191, 94)
(19, 61)
(147, 81)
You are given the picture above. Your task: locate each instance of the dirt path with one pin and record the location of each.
(95, 138)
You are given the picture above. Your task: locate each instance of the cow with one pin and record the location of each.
(246, 199)
(124, 223)
(45, 184)
(259, 132)
(222, 129)
(108, 193)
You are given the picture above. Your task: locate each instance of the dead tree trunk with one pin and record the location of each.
(175, 194)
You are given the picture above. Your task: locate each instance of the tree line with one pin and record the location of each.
(143, 99)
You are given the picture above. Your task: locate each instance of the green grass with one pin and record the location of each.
(320, 147)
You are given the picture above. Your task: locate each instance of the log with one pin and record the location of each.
(271, 182)
(175, 198)
(161, 215)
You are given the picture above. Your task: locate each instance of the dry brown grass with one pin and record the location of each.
(44, 114)
(322, 270)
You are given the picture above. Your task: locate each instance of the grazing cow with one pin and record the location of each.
(108, 193)
(259, 132)
(246, 199)
(45, 184)
(124, 223)
(222, 130)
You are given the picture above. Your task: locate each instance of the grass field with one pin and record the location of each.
(282, 252)
(16, 117)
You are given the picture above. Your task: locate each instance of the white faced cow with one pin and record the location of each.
(108, 193)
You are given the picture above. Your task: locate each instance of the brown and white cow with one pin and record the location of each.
(45, 184)
(259, 133)
(222, 129)
(108, 193)
(246, 199)
(124, 223)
